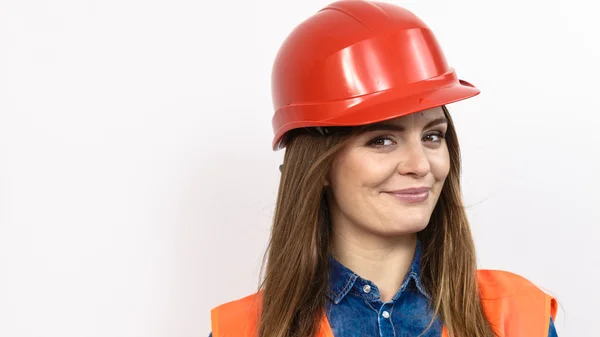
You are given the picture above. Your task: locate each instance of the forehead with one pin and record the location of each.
(416, 118)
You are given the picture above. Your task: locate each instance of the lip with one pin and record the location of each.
(412, 190)
(411, 195)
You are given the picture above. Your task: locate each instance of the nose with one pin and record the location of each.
(413, 160)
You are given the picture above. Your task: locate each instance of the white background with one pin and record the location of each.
(137, 181)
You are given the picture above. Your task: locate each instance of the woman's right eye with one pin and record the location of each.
(381, 141)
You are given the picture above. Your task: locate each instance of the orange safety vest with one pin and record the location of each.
(513, 305)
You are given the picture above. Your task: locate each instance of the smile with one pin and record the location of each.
(413, 195)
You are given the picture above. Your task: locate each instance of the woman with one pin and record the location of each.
(370, 236)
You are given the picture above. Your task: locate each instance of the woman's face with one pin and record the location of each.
(387, 180)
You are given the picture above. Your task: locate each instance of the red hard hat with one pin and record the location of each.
(358, 62)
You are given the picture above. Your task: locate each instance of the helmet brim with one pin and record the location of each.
(386, 105)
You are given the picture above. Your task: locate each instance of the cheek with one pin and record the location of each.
(440, 164)
(360, 171)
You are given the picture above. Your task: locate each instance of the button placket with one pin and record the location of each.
(386, 326)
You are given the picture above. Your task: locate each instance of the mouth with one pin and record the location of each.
(411, 195)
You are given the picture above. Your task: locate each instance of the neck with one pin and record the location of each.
(384, 263)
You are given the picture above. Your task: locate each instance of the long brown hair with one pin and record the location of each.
(297, 270)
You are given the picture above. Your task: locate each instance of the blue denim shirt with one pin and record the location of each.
(355, 308)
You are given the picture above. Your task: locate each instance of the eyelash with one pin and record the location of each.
(391, 138)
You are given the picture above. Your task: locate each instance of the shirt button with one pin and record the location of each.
(385, 314)
(367, 288)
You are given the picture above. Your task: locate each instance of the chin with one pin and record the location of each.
(408, 225)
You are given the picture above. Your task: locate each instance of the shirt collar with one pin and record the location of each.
(343, 280)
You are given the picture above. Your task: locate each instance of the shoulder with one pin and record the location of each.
(243, 303)
(500, 283)
(237, 317)
(505, 291)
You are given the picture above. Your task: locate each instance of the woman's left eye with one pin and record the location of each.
(435, 137)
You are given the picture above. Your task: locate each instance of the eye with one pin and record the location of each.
(381, 141)
(434, 137)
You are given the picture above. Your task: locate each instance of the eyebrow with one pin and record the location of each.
(383, 126)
